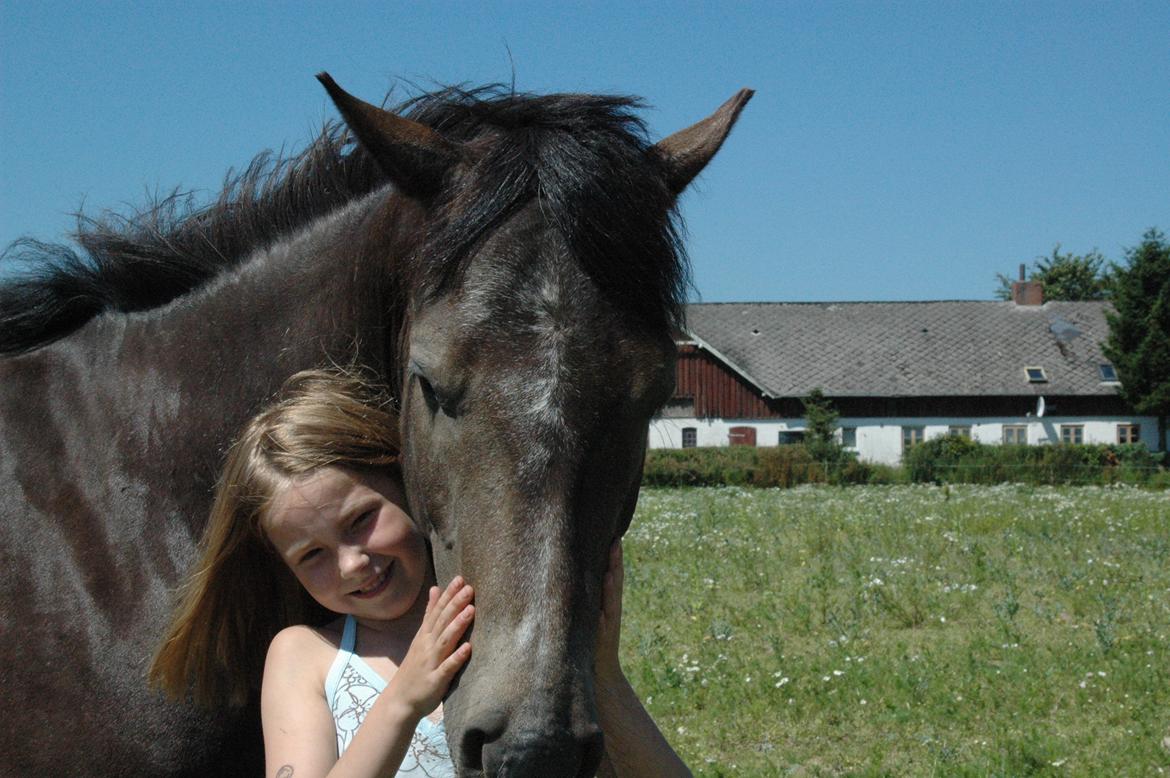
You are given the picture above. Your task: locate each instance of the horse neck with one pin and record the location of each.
(327, 294)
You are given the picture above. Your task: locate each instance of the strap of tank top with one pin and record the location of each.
(348, 634)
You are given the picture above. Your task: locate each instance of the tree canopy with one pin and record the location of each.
(820, 420)
(1065, 276)
(820, 435)
(1139, 328)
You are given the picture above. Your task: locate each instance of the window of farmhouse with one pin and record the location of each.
(912, 436)
(1015, 434)
(1072, 433)
(1129, 433)
(849, 437)
(690, 437)
(959, 431)
(788, 437)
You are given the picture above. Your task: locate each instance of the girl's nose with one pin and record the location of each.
(352, 560)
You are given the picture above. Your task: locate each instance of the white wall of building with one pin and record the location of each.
(880, 439)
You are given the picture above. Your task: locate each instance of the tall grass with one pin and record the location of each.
(904, 630)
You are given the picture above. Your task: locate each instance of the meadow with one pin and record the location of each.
(904, 630)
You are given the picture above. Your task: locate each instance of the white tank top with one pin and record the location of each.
(351, 688)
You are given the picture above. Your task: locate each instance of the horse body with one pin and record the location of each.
(97, 524)
(111, 441)
(474, 275)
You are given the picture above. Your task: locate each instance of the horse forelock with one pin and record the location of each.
(585, 162)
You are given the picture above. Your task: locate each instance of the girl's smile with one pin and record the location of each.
(375, 587)
(346, 536)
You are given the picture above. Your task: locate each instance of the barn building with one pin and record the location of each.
(898, 373)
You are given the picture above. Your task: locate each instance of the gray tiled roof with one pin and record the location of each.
(908, 349)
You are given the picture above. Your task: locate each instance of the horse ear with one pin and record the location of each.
(688, 151)
(412, 155)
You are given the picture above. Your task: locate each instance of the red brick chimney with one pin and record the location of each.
(1027, 292)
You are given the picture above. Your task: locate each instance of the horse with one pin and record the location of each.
(509, 264)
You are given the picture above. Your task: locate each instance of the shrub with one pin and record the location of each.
(782, 466)
(876, 473)
(1159, 480)
(787, 466)
(958, 460)
(732, 465)
(939, 460)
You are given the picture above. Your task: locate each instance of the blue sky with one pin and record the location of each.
(893, 151)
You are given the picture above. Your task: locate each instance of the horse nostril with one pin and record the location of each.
(485, 728)
(592, 749)
(471, 749)
(532, 754)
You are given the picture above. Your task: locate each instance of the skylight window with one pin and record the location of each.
(1108, 373)
(1036, 375)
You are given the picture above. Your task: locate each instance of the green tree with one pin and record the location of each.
(1139, 328)
(820, 430)
(1065, 276)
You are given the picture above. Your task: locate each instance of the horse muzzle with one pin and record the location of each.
(514, 752)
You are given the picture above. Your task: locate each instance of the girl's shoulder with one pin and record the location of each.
(310, 650)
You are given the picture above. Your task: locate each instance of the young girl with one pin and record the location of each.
(309, 519)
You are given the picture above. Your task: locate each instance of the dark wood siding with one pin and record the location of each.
(716, 391)
(1020, 405)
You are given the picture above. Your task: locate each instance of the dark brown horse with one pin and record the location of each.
(509, 263)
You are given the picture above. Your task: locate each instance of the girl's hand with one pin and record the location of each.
(433, 658)
(607, 665)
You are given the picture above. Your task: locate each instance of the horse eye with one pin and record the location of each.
(435, 401)
(428, 393)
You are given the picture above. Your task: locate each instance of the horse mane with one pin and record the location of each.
(171, 246)
(583, 157)
(586, 161)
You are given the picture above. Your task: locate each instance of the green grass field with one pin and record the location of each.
(905, 630)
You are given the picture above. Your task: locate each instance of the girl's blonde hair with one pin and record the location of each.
(240, 593)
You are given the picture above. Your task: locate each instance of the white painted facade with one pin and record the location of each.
(880, 439)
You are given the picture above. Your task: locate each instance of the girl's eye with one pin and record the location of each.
(361, 520)
(310, 555)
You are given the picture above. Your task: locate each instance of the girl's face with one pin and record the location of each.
(347, 538)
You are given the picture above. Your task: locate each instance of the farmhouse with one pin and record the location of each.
(898, 373)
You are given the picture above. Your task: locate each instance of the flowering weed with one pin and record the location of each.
(904, 630)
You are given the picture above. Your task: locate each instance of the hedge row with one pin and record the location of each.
(941, 460)
(782, 466)
(955, 459)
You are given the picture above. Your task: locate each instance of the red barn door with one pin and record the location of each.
(742, 436)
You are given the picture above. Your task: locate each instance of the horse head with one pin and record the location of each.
(537, 343)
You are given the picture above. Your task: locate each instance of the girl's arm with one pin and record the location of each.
(298, 726)
(634, 746)
(299, 733)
